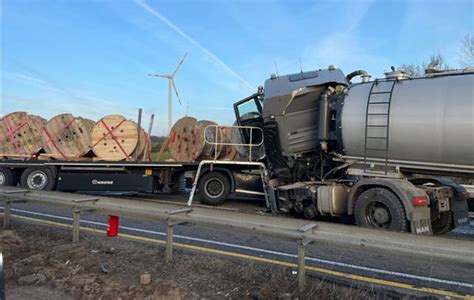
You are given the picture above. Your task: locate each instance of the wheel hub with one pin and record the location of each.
(214, 187)
(37, 180)
(2, 179)
(381, 215)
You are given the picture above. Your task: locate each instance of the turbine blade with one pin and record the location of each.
(175, 90)
(159, 75)
(179, 65)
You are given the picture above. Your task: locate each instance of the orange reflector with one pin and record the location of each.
(113, 226)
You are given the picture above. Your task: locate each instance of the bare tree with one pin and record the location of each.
(417, 70)
(413, 70)
(467, 51)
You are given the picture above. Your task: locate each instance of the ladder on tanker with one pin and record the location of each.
(377, 121)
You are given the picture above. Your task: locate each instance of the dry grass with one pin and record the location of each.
(75, 271)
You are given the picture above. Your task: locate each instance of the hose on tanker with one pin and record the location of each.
(335, 169)
(365, 76)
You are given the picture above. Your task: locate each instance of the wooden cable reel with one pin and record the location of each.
(143, 142)
(20, 135)
(185, 141)
(243, 153)
(114, 138)
(228, 152)
(66, 137)
(212, 135)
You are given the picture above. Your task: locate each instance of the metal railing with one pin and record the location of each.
(301, 231)
(172, 215)
(216, 143)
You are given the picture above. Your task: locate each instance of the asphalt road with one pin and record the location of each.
(419, 272)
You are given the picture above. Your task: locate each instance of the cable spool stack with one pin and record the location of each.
(66, 137)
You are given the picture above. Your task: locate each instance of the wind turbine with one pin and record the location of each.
(171, 86)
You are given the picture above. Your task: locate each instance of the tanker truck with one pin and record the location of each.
(376, 150)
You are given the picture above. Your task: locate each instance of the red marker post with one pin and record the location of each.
(113, 226)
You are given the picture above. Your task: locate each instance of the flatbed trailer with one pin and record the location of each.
(217, 179)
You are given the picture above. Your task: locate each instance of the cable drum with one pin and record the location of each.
(228, 151)
(115, 138)
(258, 152)
(20, 135)
(185, 141)
(214, 138)
(190, 141)
(66, 137)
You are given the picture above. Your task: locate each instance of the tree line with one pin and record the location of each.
(466, 59)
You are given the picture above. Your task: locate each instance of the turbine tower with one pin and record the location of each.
(171, 86)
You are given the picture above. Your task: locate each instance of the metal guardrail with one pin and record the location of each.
(301, 231)
(303, 235)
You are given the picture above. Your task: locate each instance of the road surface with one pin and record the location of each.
(394, 271)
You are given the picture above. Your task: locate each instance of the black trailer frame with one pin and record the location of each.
(119, 176)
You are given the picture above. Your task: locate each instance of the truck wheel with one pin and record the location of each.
(214, 187)
(380, 208)
(443, 224)
(8, 177)
(38, 179)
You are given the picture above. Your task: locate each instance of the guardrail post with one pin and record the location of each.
(6, 214)
(170, 230)
(8, 205)
(76, 220)
(169, 243)
(76, 223)
(302, 243)
(301, 267)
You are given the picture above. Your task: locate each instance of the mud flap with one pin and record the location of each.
(460, 213)
(421, 221)
(270, 197)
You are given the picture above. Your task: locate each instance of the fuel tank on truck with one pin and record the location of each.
(430, 120)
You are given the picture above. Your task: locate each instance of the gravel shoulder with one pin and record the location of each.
(41, 263)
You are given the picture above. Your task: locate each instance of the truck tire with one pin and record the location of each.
(38, 179)
(380, 208)
(443, 224)
(214, 188)
(8, 177)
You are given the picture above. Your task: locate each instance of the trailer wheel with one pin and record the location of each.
(214, 187)
(443, 224)
(380, 208)
(38, 179)
(8, 177)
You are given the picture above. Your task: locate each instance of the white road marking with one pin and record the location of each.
(284, 254)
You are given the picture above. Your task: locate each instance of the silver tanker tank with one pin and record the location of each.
(430, 120)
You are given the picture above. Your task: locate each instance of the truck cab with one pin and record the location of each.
(301, 116)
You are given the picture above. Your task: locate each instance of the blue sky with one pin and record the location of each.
(92, 57)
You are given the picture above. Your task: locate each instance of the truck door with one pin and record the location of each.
(248, 112)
